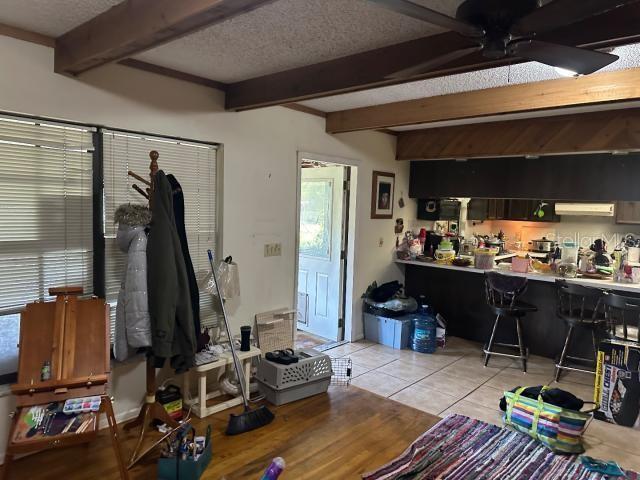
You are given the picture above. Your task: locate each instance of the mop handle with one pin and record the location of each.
(236, 360)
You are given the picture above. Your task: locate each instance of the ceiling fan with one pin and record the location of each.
(508, 28)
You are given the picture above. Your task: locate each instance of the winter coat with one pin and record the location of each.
(172, 329)
(178, 212)
(133, 326)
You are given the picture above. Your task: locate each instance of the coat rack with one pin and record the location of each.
(151, 410)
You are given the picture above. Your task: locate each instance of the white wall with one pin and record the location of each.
(260, 154)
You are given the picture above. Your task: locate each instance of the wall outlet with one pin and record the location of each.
(272, 249)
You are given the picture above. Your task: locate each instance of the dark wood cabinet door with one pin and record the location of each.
(477, 209)
(518, 209)
(496, 209)
(628, 212)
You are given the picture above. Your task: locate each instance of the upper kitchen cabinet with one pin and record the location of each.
(628, 212)
(592, 177)
(477, 209)
(511, 209)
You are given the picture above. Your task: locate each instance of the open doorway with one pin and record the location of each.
(326, 217)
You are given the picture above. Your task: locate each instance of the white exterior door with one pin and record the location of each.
(319, 261)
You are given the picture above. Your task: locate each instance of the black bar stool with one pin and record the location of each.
(622, 315)
(502, 296)
(578, 307)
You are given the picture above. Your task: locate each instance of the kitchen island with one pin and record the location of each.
(458, 293)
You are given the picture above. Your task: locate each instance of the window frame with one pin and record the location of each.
(98, 214)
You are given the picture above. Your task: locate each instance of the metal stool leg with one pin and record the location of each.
(523, 351)
(561, 363)
(487, 352)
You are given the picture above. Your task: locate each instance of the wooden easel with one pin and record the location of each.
(151, 409)
(73, 335)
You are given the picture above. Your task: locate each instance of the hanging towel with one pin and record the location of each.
(169, 297)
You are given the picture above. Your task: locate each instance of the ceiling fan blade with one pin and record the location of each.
(559, 13)
(410, 9)
(425, 67)
(579, 60)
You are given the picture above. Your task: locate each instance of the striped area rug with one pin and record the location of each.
(461, 448)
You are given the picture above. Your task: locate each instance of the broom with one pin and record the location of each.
(249, 419)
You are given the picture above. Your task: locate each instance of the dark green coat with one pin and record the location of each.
(172, 329)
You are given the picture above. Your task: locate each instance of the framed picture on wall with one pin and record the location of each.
(382, 189)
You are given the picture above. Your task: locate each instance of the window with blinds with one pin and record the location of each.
(46, 230)
(194, 166)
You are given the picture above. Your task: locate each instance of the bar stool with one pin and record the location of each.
(622, 316)
(502, 296)
(577, 306)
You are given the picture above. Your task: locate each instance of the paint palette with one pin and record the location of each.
(82, 405)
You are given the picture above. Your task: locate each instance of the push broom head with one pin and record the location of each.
(249, 420)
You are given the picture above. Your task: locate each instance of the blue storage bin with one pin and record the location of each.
(393, 332)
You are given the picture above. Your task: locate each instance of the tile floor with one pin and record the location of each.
(307, 340)
(454, 380)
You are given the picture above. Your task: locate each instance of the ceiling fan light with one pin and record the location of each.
(565, 72)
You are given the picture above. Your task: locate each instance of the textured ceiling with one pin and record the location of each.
(288, 34)
(51, 17)
(478, 80)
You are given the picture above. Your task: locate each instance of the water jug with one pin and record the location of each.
(424, 338)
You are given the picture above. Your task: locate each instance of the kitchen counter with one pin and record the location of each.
(458, 293)
(541, 277)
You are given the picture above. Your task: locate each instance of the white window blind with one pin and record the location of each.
(194, 166)
(46, 230)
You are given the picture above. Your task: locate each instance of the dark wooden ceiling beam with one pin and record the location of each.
(134, 26)
(368, 69)
(605, 88)
(26, 35)
(594, 132)
(170, 72)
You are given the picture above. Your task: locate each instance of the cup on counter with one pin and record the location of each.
(633, 254)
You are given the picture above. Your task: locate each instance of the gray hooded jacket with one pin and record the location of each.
(133, 324)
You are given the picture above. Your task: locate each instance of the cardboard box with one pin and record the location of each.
(617, 386)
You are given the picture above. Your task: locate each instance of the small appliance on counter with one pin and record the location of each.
(542, 245)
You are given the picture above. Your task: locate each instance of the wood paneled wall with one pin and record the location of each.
(580, 133)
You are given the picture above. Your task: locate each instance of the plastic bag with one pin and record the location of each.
(228, 280)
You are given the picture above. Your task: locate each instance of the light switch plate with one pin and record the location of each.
(272, 249)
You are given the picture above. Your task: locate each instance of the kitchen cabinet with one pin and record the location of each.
(599, 177)
(519, 209)
(477, 209)
(511, 209)
(548, 208)
(496, 209)
(628, 212)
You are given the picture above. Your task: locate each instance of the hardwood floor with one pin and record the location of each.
(339, 435)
